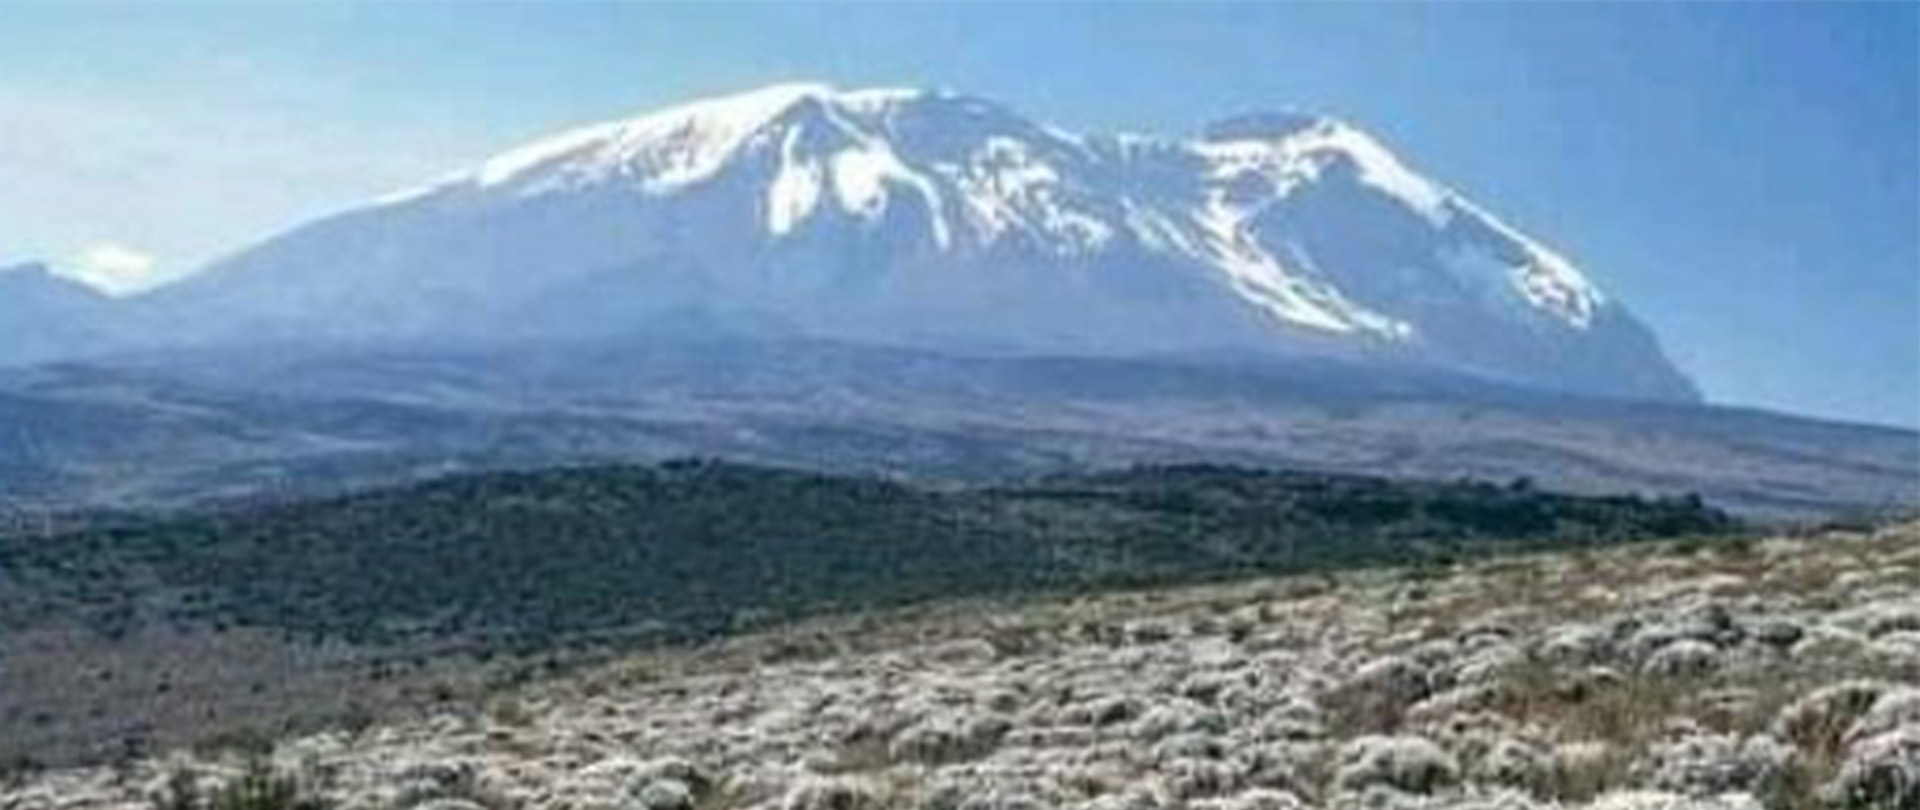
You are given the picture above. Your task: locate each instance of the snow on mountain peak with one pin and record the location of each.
(789, 194)
(1311, 143)
(1378, 166)
(665, 150)
(984, 176)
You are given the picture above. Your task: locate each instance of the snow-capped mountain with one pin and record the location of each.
(940, 220)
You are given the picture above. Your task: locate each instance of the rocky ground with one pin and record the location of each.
(1782, 673)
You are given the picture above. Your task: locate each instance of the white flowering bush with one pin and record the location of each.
(1657, 682)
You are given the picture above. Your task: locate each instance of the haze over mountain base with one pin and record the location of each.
(278, 423)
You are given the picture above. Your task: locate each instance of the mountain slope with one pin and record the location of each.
(949, 222)
(212, 425)
(44, 316)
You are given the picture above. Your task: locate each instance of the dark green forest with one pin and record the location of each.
(690, 549)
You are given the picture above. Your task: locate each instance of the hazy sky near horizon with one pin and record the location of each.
(1745, 176)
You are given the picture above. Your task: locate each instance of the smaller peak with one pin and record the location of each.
(1268, 126)
(25, 269)
(40, 277)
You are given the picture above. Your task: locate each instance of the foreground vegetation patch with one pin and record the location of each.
(683, 551)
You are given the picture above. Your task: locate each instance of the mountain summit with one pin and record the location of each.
(932, 219)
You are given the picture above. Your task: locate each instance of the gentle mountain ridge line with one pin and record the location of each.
(220, 425)
(938, 221)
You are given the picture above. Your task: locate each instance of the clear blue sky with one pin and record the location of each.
(1745, 175)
